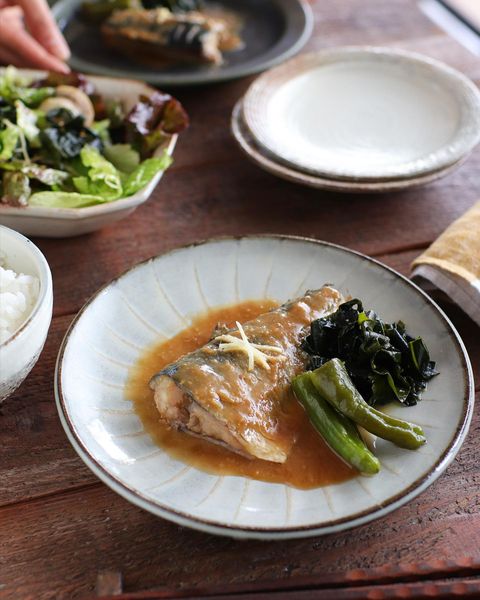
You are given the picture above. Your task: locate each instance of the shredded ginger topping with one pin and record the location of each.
(254, 352)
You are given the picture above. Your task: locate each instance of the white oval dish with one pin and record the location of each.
(268, 162)
(364, 113)
(118, 323)
(67, 222)
(19, 353)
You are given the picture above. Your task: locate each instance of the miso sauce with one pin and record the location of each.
(310, 463)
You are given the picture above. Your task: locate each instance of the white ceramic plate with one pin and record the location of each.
(67, 222)
(364, 113)
(158, 297)
(269, 162)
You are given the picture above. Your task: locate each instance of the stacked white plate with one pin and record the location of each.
(359, 119)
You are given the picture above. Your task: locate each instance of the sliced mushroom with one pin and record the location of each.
(80, 99)
(56, 102)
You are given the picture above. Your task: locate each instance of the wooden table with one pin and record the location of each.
(61, 529)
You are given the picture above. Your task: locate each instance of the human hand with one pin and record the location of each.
(29, 36)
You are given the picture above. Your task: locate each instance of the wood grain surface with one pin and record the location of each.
(63, 534)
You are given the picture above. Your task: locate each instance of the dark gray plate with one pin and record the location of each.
(274, 30)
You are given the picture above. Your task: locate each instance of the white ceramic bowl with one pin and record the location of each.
(20, 352)
(67, 222)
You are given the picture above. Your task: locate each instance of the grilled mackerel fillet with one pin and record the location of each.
(157, 35)
(212, 393)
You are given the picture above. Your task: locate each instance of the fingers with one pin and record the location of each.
(42, 26)
(10, 58)
(15, 40)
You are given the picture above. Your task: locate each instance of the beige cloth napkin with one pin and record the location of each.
(452, 263)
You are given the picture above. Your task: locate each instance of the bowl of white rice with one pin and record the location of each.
(26, 300)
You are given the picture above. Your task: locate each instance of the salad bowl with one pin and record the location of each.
(59, 222)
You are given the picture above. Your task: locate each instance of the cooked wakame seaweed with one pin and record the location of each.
(384, 362)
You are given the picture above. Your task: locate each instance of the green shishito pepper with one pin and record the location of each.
(339, 432)
(334, 384)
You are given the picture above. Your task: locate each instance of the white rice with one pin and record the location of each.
(18, 294)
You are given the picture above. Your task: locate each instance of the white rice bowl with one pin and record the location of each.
(26, 302)
(18, 294)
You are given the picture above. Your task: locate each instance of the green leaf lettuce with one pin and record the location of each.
(13, 87)
(8, 141)
(16, 188)
(145, 172)
(27, 123)
(123, 157)
(64, 200)
(102, 179)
